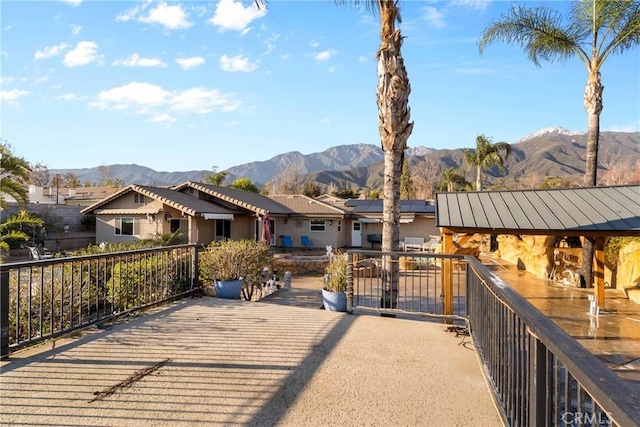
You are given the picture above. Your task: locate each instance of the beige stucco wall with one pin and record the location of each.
(300, 227)
(148, 227)
(422, 226)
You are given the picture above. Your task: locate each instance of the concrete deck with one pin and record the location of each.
(208, 361)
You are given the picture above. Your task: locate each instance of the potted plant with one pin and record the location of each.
(234, 266)
(334, 297)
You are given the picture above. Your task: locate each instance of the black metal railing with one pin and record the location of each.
(540, 375)
(423, 284)
(42, 299)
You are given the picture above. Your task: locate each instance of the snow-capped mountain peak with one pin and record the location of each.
(553, 130)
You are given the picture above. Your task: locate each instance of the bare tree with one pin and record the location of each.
(40, 175)
(287, 180)
(425, 179)
(616, 175)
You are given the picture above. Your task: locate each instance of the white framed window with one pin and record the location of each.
(318, 225)
(339, 225)
(127, 226)
(139, 199)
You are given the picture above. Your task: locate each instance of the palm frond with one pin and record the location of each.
(540, 31)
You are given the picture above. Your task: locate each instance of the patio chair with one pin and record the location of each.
(287, 241)
(38, 253)
(306, 242)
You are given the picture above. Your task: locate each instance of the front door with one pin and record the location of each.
(356, 234)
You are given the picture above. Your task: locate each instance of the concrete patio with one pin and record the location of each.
(208, 361)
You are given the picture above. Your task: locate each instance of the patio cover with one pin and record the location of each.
(594, 212)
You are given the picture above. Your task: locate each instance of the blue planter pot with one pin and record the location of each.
(228, 289)
(334, 301)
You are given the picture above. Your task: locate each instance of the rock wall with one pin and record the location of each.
(531, 253)
(299, 264)
(628, 271)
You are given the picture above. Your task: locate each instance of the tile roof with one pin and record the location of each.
(613, 210)
(252, 201)
(183, 202)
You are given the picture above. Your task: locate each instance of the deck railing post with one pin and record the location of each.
(537, 382)
(349, 283)
(4, 313)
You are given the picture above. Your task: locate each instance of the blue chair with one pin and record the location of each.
(287, 241)
(306, 242)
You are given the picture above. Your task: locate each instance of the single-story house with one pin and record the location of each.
(207, 212)
(417, 220)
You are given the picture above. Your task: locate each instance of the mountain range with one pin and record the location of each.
(548, 152)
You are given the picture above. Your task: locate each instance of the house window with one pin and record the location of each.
(223, 229)
(127, 227)
(139, 199)
(317, 225)
(339, 225)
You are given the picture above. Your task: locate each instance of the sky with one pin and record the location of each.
(198, 85)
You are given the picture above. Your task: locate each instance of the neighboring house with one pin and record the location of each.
(206, 213)
(323, 223)
(79, 196)
(417, 219)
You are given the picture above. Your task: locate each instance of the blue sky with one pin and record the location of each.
(191, 85)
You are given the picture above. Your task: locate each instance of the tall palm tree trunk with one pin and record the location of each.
(394, 127)
(479, 177)
(593, 105)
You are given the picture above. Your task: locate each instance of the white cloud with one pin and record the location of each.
(433, 16)
(474, 4)
(147, 98)
(50, 51)
(11, 96)
(75, 29)
(132, 13)
(171, 17)
(163, 119)
(325, 55)
(314, 44)
(237, 63)
(83, 54)
(270, 43)
(134, 94)
(230, 15)
(136, 61)
(73, 2)
(202, 101)
(189, 63)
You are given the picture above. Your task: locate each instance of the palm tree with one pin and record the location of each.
(452, 180)
(394, 126)
(594, 30)
(393, 91)
(14, 176)
(486, 155)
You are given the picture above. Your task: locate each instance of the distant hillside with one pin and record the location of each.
(548, 152)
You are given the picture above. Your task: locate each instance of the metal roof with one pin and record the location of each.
(612, 210)
(375, 206)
